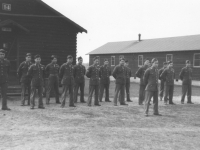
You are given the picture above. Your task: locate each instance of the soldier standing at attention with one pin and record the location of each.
(93, 73)
(186, 77)
(36, 72)
(140, 74)
(66, 73)
(79, 75)
(104, 73)
(162, 81)
(119, 73)
(168, 76)
(4, 70)
(52, 70)
(151, 90)
(25, 80)
(128, 76)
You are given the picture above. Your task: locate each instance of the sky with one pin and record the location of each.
(122, 20)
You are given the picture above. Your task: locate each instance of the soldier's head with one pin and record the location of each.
(37, 58)
(54, 59)
(126, 63)
(188, 63)
(28, 57)
(69, 59)
(95, 60)
(164, 64)
(80, 60)
(2, 53)
(122, 61)
(146, 62)
(170, 64)
(106, 62)
(154, 63)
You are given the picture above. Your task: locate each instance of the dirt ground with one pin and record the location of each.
(101, 128)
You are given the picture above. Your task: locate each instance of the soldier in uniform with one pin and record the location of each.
(168, 76)
(128, 76)
(25, 80)
(151, 89)
(37, 73)
(52, 70)
(79, 75)
(186, 77)
(93, 73)
(119, 73)
(66, 73)
(104, 73)
(162, 81)
(140, 74)
(4, 71)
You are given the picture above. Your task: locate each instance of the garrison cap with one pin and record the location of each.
(187, 62)
(28, 54)
(37, 56)
(54, 56)
(105, 59)
(2, 51)
(69, 57)
(154, 60)
(164, 63)
(169, 62)
(95, 58)
(80, 58)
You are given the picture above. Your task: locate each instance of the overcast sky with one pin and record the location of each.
(122, 20)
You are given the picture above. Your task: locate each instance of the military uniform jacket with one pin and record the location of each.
(151, 79)
(23, 70)
(168, 76)
(66, 73)
(52, 69)
(4, 70)
(79, 73)
(160, 72)
(128, 74)
(140, 74)
(119, 73)
(37, 73)
(186, 75)
(93, 73)
(104, 74)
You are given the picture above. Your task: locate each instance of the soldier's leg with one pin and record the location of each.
(40, 91)
(29, 92)
(141, 94)
(189, 93)
(122, 91)
(4, 88)
(166, 89)
(64, 95)
(101, 91)
(107, 92)
(91, 90)
(32, 98)
(76, 87)
(155, 102)
(96, 102)
(128, 92)
(56, 89)
(184, 91)
(148, 96)
(171, 92)
(48, 90)
(161, 89)
(82, 86)
(117, 89)
(23, 92)
(71, 98)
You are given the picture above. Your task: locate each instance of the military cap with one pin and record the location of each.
(28, 54)
(164, 63)
(54, 56)
(80, 58)
(122, 59)
(146, 59)
(187, 62)
(154, 60)
(95, 58)
(169, 62)
(2, 51)
(69, 57)
(126, 61)
(37, 56)
(105, 59)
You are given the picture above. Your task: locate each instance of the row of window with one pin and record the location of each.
(169, 57)
(6, 7)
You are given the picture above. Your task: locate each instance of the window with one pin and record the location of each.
(169, 57)
(6, 7)
(196, 60)
(112, 60)
(140, 60)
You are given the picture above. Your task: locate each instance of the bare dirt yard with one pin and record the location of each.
(102, 128)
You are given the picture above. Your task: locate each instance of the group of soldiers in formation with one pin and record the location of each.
(32, 77)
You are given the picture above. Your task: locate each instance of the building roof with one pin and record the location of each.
(181, 43)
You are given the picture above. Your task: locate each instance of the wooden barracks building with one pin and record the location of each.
(31, 26)
(177, 49)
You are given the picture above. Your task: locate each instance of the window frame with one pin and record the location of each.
(111, 61)
(171, 57)
(194, 60)
(3, 8)
(139, 60)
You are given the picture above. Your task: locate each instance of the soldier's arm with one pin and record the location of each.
(74, 71)
(146, 76)
(88, 72)
(130, 73)
(163, 74)
(30, 71)
(47, 70)
(114, 73)
(19, 70)
(110, 72)
(138, 72)
(100, 72)
(159, 73)
(61, 71)
(181, 74)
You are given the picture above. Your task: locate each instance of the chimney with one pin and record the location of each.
(139, 37)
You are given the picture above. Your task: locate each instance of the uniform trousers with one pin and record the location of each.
(169, 91)
(148, 96)
(33, 94)
(186, 89)
(161, 92)
(4, 87)
(128, 90)
(93, 88)
(80, 85)
(120, 88)
(26, 86)
(67, 88)
(102, 88)
(141, 94)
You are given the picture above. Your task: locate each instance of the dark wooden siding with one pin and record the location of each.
(179, 59)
